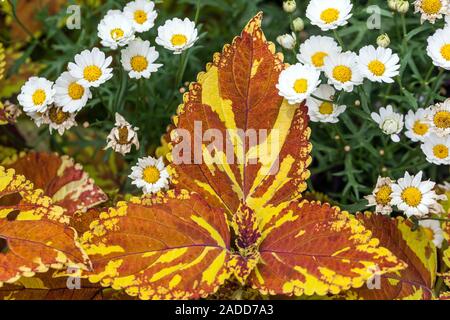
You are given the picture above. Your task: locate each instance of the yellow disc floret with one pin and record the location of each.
(39, 97)
(342, 73)
(377, 67)
(151, 174)
(412, 196)
(301, 85)
(383, 195)
(92, 73)
(75, 91)
(178, 40)
(329, 15)
(139, 63)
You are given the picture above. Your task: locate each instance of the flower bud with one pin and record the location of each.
(289, 6)
(287, 41)
(402, 7)
(383, 40)
(392, 4)
(298, 24)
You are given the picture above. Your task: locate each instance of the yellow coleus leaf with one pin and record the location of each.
(34, 233)
(416, 282)
(168, 246)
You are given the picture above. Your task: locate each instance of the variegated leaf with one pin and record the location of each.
(316, 249)
(413, 247)
(61, 178)
(34, 233)
(51, 286)
(236, 140)
(168, 246)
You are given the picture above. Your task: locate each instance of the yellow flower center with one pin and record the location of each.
(442, 119)
(329, 15)
(301, 85)
(377, 67)
(318, 58)
(39, 97)
(412, 196)
(75, 91)
(92, 73)
(326, 108)
(57, 116)
(139, 63)
(117, 33)
(431, 6)
(440, 151)
(383, 195)
(140, 16)
(123, 135)
(429, 233)
(420, 128)
(151, 174)
(178, 40)
(445, 51)
(342, 74)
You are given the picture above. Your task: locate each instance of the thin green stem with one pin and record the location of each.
(338, 38)
(436, 86)
(197, 12)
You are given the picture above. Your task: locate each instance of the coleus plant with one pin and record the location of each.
(221, 221)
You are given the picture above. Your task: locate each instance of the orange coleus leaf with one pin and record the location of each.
(316, 249)
(236, 140)
(167, 246)
(61, 178)
(177, 245)
(51, 286)
(414, 248)
(34, 233)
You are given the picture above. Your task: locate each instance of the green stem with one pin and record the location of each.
(197, 13)
(436, 86)
(321, 99)
(339, 39)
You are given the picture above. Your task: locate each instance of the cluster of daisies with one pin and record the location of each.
(321, 59)
(57, 104)
(415, 198)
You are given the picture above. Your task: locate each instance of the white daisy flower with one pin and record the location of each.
(314, 50)
(138, 59)
(70, 95)
(413, 196)
(381, 196)
(297, 82)
(342, 71)
(150, 175)
(439, 118)
(55, 118)
(433, 231)
(324, 111)
(328, 15)
(177, 35)
(416, 125)
(123, 136)
(378, 64)
(91, 68)
(438, 48)
(36, 95)
(141, 13)
(431, 9)
(437, 149)
(115, 30)
(287, 41)
(390, 122)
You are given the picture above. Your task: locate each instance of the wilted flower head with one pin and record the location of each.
(122, 136)
(381, 196)
(9, 112)
(55, 118)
